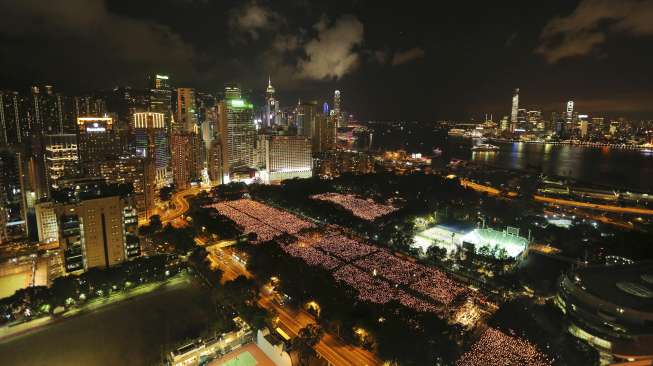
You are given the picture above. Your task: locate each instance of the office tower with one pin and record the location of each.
(232, 91)
(583, 126)
(522, 119)
(12, 119)
(336, 112)
(534, 119)
(514, 112)
(505, 124)
(598, 124)
(137, 173)
(151, 144)
(569, 115)
(271, 109)
(186, 110)
(306, 112)
(13, 200)
(47, 111)
(214, 163)
(160, 99)
(186, 164)
(89, 106)
(237, 135)
(324, 133)
(97, 142)
(61, 159)
(46, 222)
(284, 157)
(93, 231)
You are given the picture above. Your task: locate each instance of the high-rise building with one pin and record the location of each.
(569, 114)
(214, 163)
(13, 199)
(271, 109)
(138, 173)
(186, 110)
(237, 134)
(514, 112)
(13, 124)
(95, 231)
(97, 142)
(89, 106)
(232, 91)
(284, 157)
(598, 124)
(47, 111)
(61, 159)
(306, 113)
(186, 164)
(151, 144)
(336, 112)
(324, 133)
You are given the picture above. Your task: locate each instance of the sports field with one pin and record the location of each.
(10, 283)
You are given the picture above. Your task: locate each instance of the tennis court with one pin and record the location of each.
(248, 355)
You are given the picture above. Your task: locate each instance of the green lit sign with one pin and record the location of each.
(161, 77)
(237, 103)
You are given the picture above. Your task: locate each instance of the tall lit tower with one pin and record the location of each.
(271, 105)
(237, 135)
(336, 112)
(514, 113)
(186, 110)
(570, 112)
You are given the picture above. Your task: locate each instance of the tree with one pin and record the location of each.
(303, 344)
(166, 193)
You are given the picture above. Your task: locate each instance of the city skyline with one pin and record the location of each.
(566, 50)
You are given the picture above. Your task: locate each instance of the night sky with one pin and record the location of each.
(407, 60)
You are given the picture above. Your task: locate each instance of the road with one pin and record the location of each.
(561, 202)
(330, 348)
(181, 205)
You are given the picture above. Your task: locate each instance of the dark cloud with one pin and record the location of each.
(579, 33)
(252, 18)
(78, 35)
(407, 56)
(332, 52)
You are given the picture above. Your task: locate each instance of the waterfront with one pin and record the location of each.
(614, 167)
(630, 169)
(133, 332)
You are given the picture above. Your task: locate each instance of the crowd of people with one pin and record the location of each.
(497, 348)
(376, 274)
(264, 221)
(364, 209)
(312, 257)
(343, 247)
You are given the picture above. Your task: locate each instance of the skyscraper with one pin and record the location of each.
(271, 109)
(151, 143)
(514, 112)
(569, 115)
(61, 159)
(237, 134)
(97, 142)
(13, 126)
(13, 200)
(186, 165)
(47, 111)
(336, 111)
(186, 110)
(306, 113)
(232, 91)
(284, 157)
(94, 231)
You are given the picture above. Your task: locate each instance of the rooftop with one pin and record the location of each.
(627, 286)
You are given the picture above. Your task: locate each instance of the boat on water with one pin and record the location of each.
(485, 147)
